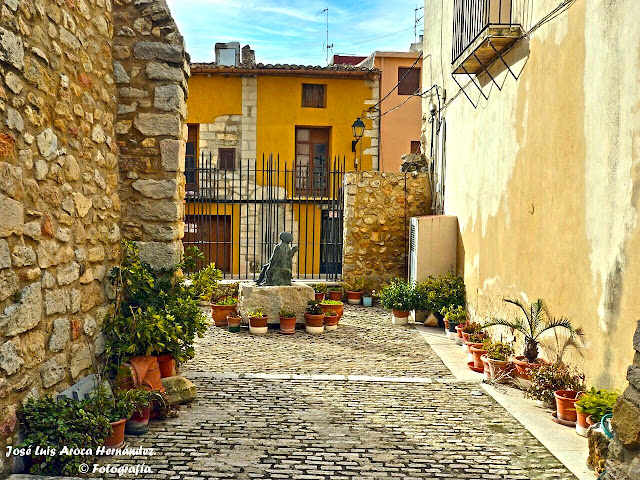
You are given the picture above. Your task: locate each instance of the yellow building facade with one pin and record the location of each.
(302, 118)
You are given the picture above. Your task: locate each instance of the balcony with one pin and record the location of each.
(482, 31)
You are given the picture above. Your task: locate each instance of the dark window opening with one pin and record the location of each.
(416, 147)
(411, 83)
(226, 159)
(191, 159)
(313, 95)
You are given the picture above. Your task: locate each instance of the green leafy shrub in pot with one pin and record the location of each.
(597, 403)
(48, 422)
(313, 308)
(499, 351)
(204, 282)
(331, 302)
(287, 313)
(156, 312)
(474, 338)
(455, 314)
(119, 404)
(320, 288)
(473, 328)
(547, 379)
(227, 301)
(398, 295)
(257, 313)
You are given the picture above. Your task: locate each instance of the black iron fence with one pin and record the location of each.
(235, 215)
(472, 17)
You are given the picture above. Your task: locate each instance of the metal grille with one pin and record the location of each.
(472, 17)
(235, 216)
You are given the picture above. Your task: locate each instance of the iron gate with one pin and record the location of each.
(234, 214)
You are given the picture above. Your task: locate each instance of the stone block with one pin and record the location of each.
(626, 423)
(169, 98)
(272, 299)
(56, 301)
(159, 254)
(145, 50)
(53, 370)
(24, 315)
(5, 256)
(178, 390)
(60, 335)
(161, 71)
(80, 359)
(68, 274)
(11, 217)
(11, 49)
(156, 124)
(10, 360)
(33, 348)
(172, 155)
(156, 189)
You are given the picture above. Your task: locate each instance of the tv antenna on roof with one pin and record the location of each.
(415, 23)
(327, 46)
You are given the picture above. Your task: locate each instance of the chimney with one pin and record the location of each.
(248, 56)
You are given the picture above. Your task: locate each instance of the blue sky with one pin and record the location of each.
(294, 31)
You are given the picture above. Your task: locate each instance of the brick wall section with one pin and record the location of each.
(151, 69)
(378, 207)
(59, 201)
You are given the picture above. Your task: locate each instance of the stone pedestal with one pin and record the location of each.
(272, 299)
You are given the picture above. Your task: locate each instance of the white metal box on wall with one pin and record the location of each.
(433, 246)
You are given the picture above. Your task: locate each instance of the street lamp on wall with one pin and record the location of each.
(358, 131)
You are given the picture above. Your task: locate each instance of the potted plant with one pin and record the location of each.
(367, 298)
(472, 328)
(287, 321)
(138, 422)
(335, 292)
(320, 289)
(334, 306)
(532, 326)
(234, 321)
(118, 406)
(258, 322)
(591, 406)
(455, 316)
(496, 359)
(331, 320)
(356, 289)
(221, 309)
(398, 296)
(314, 318)
(547, 379)
(84, 427)
(477, 351)
(204, 282)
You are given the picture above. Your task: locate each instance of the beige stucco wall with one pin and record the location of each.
(544, 175)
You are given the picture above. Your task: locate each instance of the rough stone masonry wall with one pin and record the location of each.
(623, 462)
(378, 208)
(59, 202)
(151, 69)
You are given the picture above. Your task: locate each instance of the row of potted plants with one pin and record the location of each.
(358, 292)
(550, 384)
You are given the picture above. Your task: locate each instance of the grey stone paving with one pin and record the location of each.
(300, 428)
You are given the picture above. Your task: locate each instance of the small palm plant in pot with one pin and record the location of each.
(592, 405)
(258, 322)
(287, 321)
(535, 323)
(314, 318)
(398, 296)
(498, 366)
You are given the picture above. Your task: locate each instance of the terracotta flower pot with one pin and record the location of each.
(523, 367)
(288, 325)
(220, 314)
(234, 323)
(446, 324)
(258, 325)
(400, 317)
(331, 322)
(465, 336)
(138, 424)
(354, 298)
(337, 309)
(459, 330)
(145, 372)
(498, 370)
(566, 405)
(319, 296)
(335, 295)
(167, 365)
(116, 439)
(477, 352)
(314, 323)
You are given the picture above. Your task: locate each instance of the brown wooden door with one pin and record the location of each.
(212, 235)
(312, 161)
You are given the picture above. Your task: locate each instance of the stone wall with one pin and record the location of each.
(59, 200)
(378, 208)
(151, 69)
(67, 111)
(623, 462)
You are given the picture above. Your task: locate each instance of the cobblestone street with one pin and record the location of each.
(334, 406)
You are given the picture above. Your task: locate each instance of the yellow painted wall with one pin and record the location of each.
(213, 96)
(544, 175)
(280, 111)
